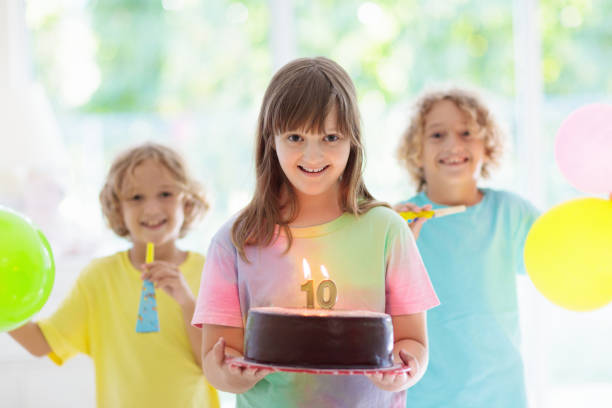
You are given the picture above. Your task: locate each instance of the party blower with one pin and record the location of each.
(148, 321)
(440, 212)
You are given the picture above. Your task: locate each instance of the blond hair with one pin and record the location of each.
(300, 95)
(124, 165)
(468, 101)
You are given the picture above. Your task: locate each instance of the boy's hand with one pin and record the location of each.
(239, 379)
(168, 277)
(416, 224)
(397, 382)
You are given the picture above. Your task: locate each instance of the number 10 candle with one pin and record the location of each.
(324, 302)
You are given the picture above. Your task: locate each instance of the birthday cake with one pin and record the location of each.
(318, 338)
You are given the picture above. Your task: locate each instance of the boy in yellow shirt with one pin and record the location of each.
(148, 197)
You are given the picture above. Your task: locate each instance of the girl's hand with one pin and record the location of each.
(237, 379)
(168, 277)
(416, 224)
(398, 382)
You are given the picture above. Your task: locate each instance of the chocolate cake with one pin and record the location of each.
(317, 338)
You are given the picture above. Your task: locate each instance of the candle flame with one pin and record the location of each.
(324, 272)
(306, 269)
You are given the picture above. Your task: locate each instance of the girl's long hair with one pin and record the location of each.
(300, 96)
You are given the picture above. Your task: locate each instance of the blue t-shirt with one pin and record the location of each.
(474, 340)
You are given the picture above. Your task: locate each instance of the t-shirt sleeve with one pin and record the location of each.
(527, 216)
(67, 329)
(408, 287)
(218, 300)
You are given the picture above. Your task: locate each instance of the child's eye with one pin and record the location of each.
(136, 197)
(165, 194)
(332, 138)
(466, 133)
(294, 137)
(436, 135)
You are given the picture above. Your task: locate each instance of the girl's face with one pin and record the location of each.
(452, 150)
(314, 162)
(152, 204)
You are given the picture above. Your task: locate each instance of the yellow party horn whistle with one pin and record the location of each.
(440, 212)
(148, 320)
(150, 254)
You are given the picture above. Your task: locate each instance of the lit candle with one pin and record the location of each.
(325, 302)
(308, 285)
(332, 291)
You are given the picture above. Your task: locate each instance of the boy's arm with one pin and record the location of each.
(194, 333)
(32, 339)
(217, 343)
(417, 223)
(168, 277)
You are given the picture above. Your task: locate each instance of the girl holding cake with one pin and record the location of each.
(311, 219)
(451, 142)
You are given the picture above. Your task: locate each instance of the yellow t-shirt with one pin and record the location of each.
(98, 318)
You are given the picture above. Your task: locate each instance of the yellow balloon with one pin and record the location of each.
(568, 254)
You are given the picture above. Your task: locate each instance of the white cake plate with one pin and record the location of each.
(241, 362)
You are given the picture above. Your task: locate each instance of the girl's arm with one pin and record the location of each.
(410, 348)
(410, 333)
(217, 343)
(31, 338)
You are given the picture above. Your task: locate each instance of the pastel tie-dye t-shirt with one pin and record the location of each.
(375, 265)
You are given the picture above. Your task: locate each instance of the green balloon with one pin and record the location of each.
(27, 269)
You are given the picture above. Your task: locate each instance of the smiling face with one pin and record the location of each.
(453, 151)
(313, 162)
(152, 204)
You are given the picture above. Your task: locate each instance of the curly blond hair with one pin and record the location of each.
(468, 101)
(124, 165)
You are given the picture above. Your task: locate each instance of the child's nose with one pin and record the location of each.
(313, 152)
(455, 141)
(151, 206)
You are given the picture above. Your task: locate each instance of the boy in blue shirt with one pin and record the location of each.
(472, 257)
